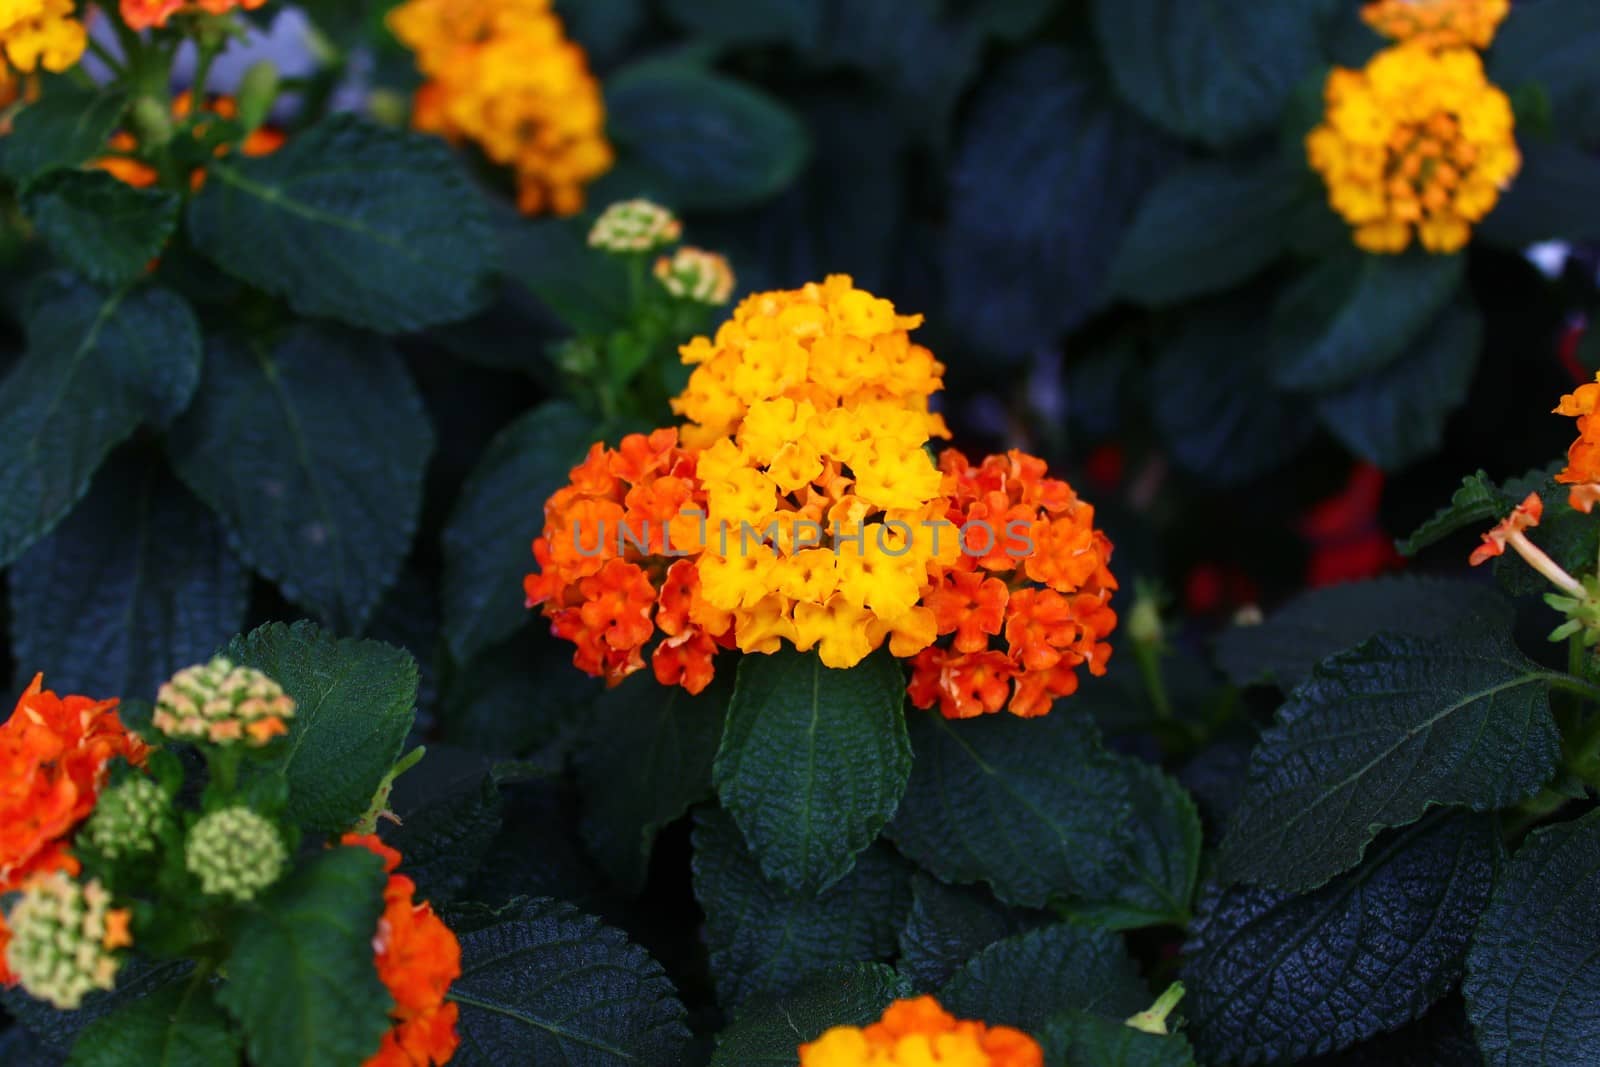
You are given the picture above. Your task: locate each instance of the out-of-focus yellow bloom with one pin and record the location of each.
(40, 33)
(502, 74)
(919, 1033)
(1419, 143)
(1438, 23)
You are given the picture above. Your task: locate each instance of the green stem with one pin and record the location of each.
(105, 55)
(1148, 657)
(1569, 684)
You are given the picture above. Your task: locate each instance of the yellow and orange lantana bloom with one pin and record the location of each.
(919, 1033)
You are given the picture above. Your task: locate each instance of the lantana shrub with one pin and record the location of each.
(689, 534)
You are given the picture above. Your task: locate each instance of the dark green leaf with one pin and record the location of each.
(1204, 228)
(1212, 401)
(1153, 879)
(136, 584)
(369, 225)
(498, 514)
(1079, 1039)
(765, 938)
(179, 1025)
(793, 22)
(301, 981)
(1274, 977)
(1354, 314)
(701, 140)
(951, 924)
(312, 452)
(586, 289)
(1033, 807)
(1397, 415)
(1316, 624)
(353, 708)
(644, 755)
(1552, 44)
(1551, 199)
(1203, 69)
(543, 983)
(1024, 980)
(98, 365)
(602, 27)
(1049, 173)
(1380, 734)
(19, 1048)
(1531, 983)
(103, 228)
(450, 813)
(813, 761)
(1477, 501)
(137, 979)
(1441, 1038)
(518, 697)
(67, 126)
(768, 1031)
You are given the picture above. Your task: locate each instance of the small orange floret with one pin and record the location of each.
(1525, 515)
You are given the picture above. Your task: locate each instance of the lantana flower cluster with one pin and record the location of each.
(143, 14)
(123, 161)
(503, 75)
(799, 505)
(919, 1033)
(38, 34)
(1418, 144)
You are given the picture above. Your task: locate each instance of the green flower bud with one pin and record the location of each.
(235, 853)
(222, 703)
(63, 934)
(698, 275)
(1153, 1020)
(634, 226)
(127, 818)
(152, 120)
(258, 91)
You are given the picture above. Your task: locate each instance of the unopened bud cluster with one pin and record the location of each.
(235, 853)
(127, 819)
(634, 226)
(698, 275)
(63, 934)
(222, 703)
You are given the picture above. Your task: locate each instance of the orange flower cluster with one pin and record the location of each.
(53, 756)
(1045, 595)
(502, 74)
(919, 1033)
(1438, 24)
(610, 566)
(1582, 471)
(417, 958)
(143, 14)
(135, 172)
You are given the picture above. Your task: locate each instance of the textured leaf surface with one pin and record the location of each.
(136, 584)
(1477, 501)
(1378, 735)
(703, 141)
(353, 708)
(765, 938)
(1049, 172)
(301, 981)
(98, 365)
(644, 755)
(1204, 228)
(1212, 401)
(1397, 415)
(950, 924)
(1079, 1039)
(1033, 807)
(369, 225)
(312, 452)
(768, 1031)
(179, 1025)
(813, 761)
(1274, 977)
(450, 813)
(1024, 980)
(1533, 987)
(1202, 71)
(137, 979)
(497, 515)
(1354, 314)
(65, 127)
(543, 983)
(104, 229)
(1318, 623)
(1153, 877)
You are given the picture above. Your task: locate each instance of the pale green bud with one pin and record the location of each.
(63, 937)
(634, 226)
(127, 818)
(223, 704)
(235, 853)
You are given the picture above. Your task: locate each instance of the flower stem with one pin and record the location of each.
(1536, 558)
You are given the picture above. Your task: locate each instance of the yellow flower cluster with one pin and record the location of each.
(39, 33)
(1417, 143)
(811, 408)
(502, 74)
(1438, 23)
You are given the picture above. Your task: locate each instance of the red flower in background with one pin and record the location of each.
(1348, 541)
